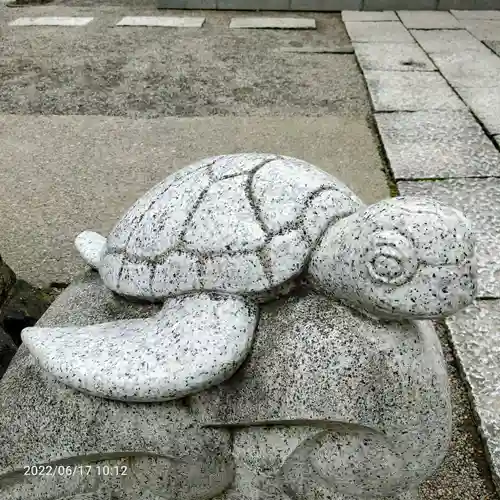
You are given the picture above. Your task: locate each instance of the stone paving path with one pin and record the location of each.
(434, 81)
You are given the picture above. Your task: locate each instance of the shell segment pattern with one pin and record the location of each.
(242, 223)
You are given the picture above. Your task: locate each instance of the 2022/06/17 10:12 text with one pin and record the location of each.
(73, 470)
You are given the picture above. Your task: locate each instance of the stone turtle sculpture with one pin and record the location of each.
(217, 237)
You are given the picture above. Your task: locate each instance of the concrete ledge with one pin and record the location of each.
(456, 4)
(187, 4)
(355, 16)
(327, 5)
(253, 5)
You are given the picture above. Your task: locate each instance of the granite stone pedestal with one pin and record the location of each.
(330, 404)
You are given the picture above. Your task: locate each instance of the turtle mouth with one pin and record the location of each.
(454, 290)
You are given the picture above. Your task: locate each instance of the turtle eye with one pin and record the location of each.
(392, 258)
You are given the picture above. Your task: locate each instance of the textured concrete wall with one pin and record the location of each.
(330, 5)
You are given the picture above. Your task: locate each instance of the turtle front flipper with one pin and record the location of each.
(91, 247)
(194, 342)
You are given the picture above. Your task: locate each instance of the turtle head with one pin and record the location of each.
(399, 258)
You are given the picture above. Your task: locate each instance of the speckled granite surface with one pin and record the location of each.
(353, 378)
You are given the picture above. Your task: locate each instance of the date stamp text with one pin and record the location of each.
(75, 470)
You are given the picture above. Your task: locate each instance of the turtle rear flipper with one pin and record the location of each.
(91, 246)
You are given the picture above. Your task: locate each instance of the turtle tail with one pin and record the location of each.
(91, 247)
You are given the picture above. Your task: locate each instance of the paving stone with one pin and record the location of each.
(442, 41)
(428, 144)
(475, 335)
(164, 21)
(410, 91)
(476, 14)
(363, 16)
(494, 46)
(485, 103)
(273, 22)
(483, 30)
(421, 19)
(51, 21)
(392, 57)
(385, 31)
(479, 199)
(324, 5)
(477, 69)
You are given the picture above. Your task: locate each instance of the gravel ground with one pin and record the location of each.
(154, 72)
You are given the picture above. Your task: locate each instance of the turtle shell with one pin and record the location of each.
(243, 223)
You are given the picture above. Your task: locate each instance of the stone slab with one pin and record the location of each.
(443, 41)
(483, 30)
(410, 91)
(384, 31)
(475, 335)
(392, 57)
(479, 199)
(163, 21)
(51, 21)
(485, 104)
(363, 16)
(416, 19)
(476, 14)
(437, 144)
(119, 159)
(471, 69)
(286, 23)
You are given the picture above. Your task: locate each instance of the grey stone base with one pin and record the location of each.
(329, 5)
